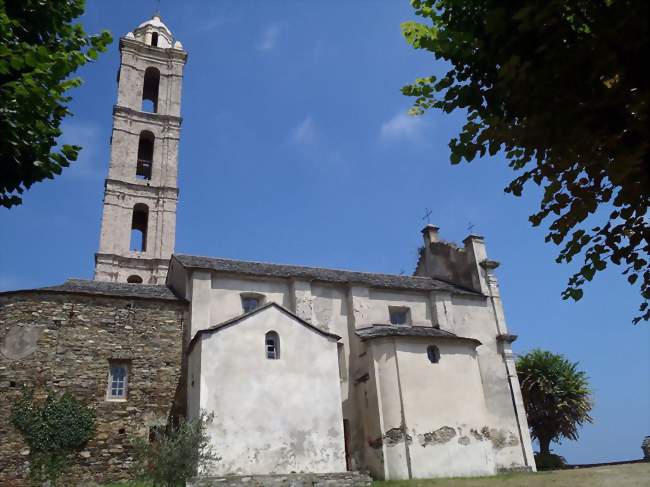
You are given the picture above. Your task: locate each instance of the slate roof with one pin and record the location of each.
(390, 281)
(380, 330)
(112, 289)
(239, 318)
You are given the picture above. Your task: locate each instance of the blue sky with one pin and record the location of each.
(296, 148)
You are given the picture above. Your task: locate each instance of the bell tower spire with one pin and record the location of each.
(141, 190)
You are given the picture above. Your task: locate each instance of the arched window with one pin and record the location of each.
(150, 90)
(154, 38)
(433, 354)
(145, 155)
(139, 225)
(272, 344)
(134, 279)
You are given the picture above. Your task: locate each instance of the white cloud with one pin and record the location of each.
(401, 126)
(305, 133)
(269, 38)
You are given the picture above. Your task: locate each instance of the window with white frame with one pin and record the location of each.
(272, 343)
(399, 315)
(118, 380)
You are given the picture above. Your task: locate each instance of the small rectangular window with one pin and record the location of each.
(399, 315)
(249, 303)
(118, 379)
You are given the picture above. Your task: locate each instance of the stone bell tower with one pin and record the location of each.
(141, 190)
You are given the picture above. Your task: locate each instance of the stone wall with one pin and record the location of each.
(346, 479)
(63, 342)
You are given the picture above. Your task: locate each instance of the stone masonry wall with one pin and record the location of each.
(63, 342)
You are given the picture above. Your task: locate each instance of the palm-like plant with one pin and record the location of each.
(556, 396)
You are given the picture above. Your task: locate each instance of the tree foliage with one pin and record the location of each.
(557, 397)
(39, 49)
(54, 429)
(174, 454)
(560, 87)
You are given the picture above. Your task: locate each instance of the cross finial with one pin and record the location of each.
(157, 12)
(470, 227)
(427, 215)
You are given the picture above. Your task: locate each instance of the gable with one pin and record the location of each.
(268, 315)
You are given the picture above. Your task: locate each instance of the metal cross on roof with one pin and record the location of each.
(427, 215)
(470, 227)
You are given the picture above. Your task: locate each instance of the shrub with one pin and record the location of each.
(175, 454)
(54, 429)
(549, 461)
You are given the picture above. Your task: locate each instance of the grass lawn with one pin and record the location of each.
(633, 475)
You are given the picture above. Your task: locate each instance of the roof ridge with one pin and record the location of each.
(106, 288)
(314, 267)
(303, 266)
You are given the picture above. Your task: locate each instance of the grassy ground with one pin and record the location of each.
(633, 475)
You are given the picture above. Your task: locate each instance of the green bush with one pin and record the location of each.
(175, 454)
(54, 429)
(549, 461)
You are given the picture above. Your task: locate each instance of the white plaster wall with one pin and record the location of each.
(418, 303)
(369, 427)
(439, 398)
(475, 318)
(194, 385)
(225, 296)
(200, 300)
(272, 416)
(219, 299)
(382, 354)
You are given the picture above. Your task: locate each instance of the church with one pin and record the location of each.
(306, 370)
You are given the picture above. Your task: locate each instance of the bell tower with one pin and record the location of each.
(141, 190)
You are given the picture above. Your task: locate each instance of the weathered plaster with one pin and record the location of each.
(271, 416)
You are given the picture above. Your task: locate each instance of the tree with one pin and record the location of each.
(55, 429)
(175, 454)
(39, 49)
(557, 397)
(562, 88)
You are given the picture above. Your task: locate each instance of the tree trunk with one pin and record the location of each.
(544, 445)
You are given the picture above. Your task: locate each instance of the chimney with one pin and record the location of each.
(430, 234)
(467, 266)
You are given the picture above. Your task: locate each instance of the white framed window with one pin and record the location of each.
(250, 301)
(399, 315)
(272, 345)
(118, 380)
